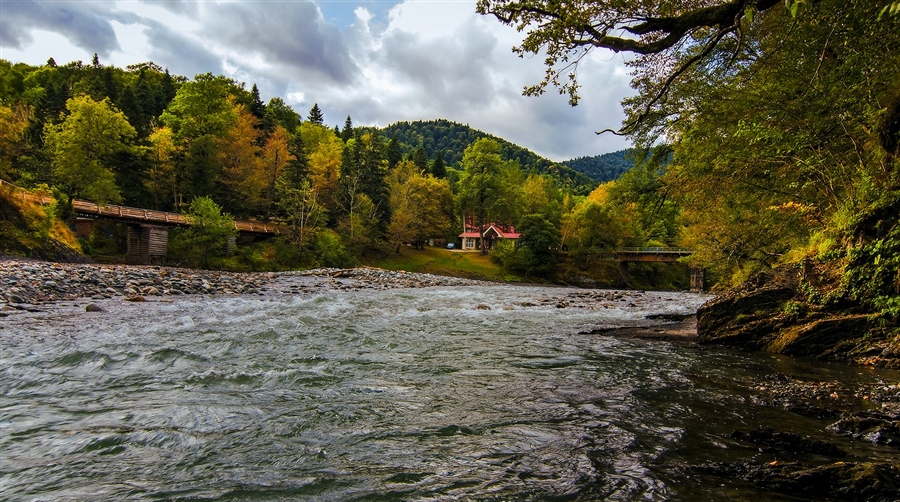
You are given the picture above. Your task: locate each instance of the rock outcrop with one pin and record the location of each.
(769, 312)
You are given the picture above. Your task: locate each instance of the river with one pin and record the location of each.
(464, 393)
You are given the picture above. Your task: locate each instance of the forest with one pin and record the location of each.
(774, 132)
(766, 135)
(209, 147)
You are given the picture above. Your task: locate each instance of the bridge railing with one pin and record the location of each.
(84, 207)
(674, 250)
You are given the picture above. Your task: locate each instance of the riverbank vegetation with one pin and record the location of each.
(142, 137)
(772, 131)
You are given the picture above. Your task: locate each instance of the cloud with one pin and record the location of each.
(86, 25)
(291, 37)
(180, 53)
(384, 63)
(175, 6)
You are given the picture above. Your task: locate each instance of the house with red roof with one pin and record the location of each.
(487, 235)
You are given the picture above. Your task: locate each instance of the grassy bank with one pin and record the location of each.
(432, 260)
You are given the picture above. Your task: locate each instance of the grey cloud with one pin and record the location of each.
(291, 35)
(454, 73)
(180, 54)
(86, 25)
(175, 6)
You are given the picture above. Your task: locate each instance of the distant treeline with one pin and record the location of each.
(210, 147)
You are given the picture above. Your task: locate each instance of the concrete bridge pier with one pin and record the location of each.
(147, 244)
(698, 279)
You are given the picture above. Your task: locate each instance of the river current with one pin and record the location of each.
(465, 393)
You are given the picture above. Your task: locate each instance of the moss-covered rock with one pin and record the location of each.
(771, 312)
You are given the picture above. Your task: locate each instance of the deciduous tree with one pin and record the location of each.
(83, 147)
(421, 205)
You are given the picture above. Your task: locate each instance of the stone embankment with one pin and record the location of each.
(28, 282)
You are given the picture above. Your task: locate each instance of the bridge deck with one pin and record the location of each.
(649, 254)
(138, 215)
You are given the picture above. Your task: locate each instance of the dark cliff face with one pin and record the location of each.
(769, 313)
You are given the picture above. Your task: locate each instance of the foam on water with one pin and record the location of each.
(439, 393)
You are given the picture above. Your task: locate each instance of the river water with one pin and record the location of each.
(375, 395)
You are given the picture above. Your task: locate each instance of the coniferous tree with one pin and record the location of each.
(420, 159)
(438, 170)
(315, 115)
(394, 155)
(298, 167)
(256, 107)
(347, 132)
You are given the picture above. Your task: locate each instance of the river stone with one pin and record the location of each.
(15, 299)
(93, 307)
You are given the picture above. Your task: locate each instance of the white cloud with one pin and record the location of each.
(421, 60)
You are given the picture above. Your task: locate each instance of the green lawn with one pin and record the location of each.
(433, 260)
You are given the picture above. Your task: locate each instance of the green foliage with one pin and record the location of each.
(539, 242)
(481, 188)
(450, 140)
(792, 308)
(300, 207)
(83, 149)
(872, 273)
(198, 115)
(421, 205)
(509, 256)
(329, 252)
(602, 168)
(208, 234)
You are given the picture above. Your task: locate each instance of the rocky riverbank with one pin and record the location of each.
(25, 283)
(772, 312)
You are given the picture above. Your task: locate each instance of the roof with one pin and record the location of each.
(499, 233)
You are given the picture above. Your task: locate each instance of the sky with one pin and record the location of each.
(378, 61)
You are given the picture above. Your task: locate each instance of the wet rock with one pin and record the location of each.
(93, 307)
(135, 298)
(808, 410)
(769, 312)
(788, 442)
(15, 299)
(871, 426)
(869, 481)
(482, 306)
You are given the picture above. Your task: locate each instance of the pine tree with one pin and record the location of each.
(297, 168)
(438, 170)
(420, 159)
(347, 132)
(257, 107)
(315, 115)
(394, 155)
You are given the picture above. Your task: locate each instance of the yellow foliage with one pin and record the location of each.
(601, 194)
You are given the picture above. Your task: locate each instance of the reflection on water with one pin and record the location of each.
(397, 395)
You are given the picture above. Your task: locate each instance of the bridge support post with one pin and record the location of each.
(698, 279)
(623, 273)
(147, 244)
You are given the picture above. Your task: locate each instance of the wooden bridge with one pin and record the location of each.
(628, 255)
(148, 229)
(650, 254)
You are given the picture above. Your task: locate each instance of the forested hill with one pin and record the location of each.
(450, 139)
(602, 168)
